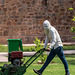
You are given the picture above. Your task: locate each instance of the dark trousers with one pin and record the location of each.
(53, 52)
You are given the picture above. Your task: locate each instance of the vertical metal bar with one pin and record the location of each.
(2, 1)
(45, 2)
(60, 1)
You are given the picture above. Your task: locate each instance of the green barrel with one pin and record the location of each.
(14, 45)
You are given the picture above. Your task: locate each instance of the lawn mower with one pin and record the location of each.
(15, 56)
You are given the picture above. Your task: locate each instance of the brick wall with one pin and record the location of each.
(24, 18)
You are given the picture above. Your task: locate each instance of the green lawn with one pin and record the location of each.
(52, 69)
(55, 68)
(31, 48)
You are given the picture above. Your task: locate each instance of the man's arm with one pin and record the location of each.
(53, 39)
(46, 42)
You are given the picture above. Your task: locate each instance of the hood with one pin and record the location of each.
(46, 24)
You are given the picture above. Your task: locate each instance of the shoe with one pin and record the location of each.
(37, 71)
(68, 74)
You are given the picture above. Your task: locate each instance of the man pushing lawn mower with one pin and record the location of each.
(56, 47)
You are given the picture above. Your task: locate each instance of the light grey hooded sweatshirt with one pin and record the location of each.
(52, 35)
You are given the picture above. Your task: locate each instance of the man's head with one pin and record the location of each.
(46, 24)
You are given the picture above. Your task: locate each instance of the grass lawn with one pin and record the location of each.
(55, 68)
(31, 48)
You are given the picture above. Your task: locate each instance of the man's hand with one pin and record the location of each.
(48, 49)
(43, 49)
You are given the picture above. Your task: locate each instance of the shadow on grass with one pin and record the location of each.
(70, 59)
(70, 56)
(72, 62)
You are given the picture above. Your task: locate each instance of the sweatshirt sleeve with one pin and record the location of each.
(46, 42)
(53, 41)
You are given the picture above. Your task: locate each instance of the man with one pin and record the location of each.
(56, 47)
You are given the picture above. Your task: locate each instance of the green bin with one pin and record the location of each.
(14, 45)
